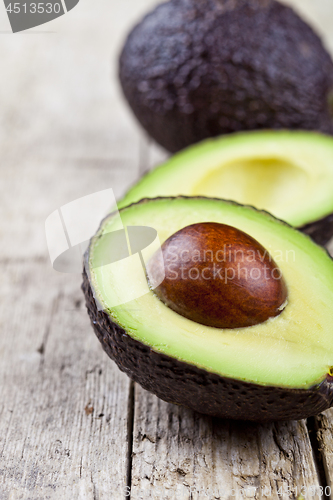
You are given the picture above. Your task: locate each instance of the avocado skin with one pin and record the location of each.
(321, 231)
(208, 393)
(197, 69)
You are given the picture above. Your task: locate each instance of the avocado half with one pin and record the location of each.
(287, 173)
(278, 370)
(193, 69)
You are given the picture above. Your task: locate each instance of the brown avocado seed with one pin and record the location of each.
(218, 276)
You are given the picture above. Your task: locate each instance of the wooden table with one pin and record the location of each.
(72, 426)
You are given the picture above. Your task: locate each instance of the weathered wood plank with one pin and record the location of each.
(178, 454)
(64, 134)
(324, 435)
(65, 129)
(64, 405)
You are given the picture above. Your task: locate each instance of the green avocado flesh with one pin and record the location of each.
(289, 174)
(292, 350)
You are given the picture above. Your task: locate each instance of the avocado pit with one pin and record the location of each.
(219, 276)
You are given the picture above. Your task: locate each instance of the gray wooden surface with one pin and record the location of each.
(71, 425)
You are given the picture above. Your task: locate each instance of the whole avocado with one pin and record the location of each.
(193, 69)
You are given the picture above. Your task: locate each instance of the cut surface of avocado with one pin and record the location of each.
(292, 350)
(287, 173)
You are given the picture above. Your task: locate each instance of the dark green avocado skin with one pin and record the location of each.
(193, 69)
(321, 231)
(178, 382)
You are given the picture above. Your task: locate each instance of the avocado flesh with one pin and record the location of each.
(289, 174)
(292, 350)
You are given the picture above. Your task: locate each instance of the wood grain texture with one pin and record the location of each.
(178, 454)
(64, 406)
(64, 134)
(324, 435)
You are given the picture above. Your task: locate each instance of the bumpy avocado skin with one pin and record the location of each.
(321, 231)
(178, 382)
(194, 69)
